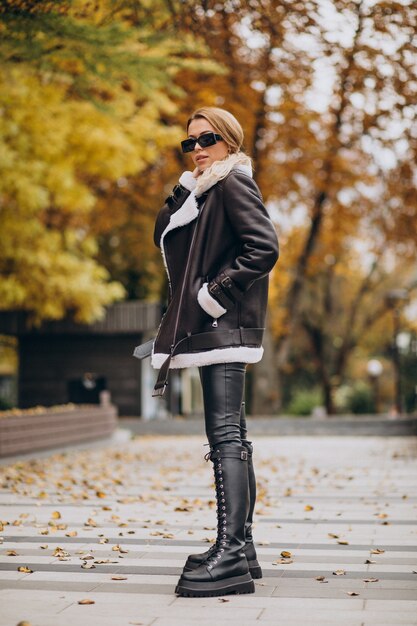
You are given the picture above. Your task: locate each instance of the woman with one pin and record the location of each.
(218, 246)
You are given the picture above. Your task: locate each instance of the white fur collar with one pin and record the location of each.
(220, 169)
(212, 175)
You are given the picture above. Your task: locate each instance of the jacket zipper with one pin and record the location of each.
(187, 267)
(182, 288)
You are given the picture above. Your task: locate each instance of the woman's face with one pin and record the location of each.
(204, 157)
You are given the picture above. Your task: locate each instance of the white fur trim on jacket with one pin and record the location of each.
(208, 303)
(219, 170)
(185, 214)
(188, 181)
(240, 354)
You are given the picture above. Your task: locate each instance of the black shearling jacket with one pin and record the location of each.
(218, 250)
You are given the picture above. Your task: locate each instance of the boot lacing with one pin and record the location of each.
(217, 554)
(215, 546)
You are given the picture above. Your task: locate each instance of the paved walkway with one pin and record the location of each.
(113, 524)
(336, 425)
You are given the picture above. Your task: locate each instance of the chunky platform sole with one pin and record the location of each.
(255, 569)
(234, 584)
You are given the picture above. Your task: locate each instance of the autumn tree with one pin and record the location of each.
(326, 95)
(85, 88)
(326, 92)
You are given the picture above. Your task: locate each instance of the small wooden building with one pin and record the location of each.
(64, 361)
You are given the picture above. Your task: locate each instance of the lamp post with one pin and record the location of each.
(374, 369)
(396, 298)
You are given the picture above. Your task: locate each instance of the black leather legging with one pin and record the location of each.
(224, 410)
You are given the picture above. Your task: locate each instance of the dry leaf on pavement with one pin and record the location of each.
(86, 601)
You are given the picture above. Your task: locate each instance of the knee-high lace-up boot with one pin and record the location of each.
(194, 560)
(249, 549)
(226, 569)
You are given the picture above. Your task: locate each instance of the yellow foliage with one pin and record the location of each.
(51, 149)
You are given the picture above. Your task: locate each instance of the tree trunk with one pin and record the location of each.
(328, 397)
(296, 289)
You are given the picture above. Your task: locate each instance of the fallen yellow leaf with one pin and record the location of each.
(86, 601)
(90, 522)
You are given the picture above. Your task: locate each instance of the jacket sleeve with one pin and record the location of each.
(172, 203)
(258, 250)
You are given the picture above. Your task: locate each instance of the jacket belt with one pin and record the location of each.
(207, 341)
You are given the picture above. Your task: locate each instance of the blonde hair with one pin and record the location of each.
(224, 123)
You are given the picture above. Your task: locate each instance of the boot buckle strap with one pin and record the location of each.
(244, 455)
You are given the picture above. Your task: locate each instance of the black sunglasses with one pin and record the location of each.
(205, 140)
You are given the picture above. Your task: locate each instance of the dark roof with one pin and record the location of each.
(123, 317)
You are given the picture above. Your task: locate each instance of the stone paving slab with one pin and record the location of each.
(150, 502)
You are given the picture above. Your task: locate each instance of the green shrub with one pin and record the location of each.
(304, 401)
(359, 398)
(5, 405)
